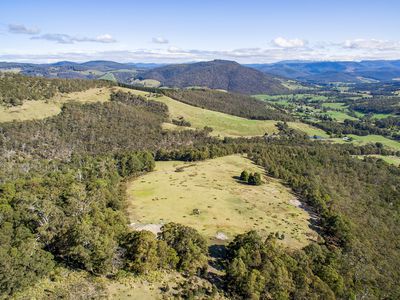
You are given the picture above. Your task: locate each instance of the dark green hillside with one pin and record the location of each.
(217, 74)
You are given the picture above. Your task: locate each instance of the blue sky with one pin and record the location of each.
(177, 31)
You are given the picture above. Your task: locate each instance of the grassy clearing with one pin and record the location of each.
(393, 160)
(334, 105)
(224, 124)
(381, 116)
(175, 189)
(291, 97)
(294, 85)
(11, 70)
(149, 287)
(147, 82)
(40, 109)
(363, 140)
(109, 76)
(339, 115)
(141, 287)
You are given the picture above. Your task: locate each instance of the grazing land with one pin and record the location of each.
(372, 138)
(224, 124)
(40, 109)
(175, 190)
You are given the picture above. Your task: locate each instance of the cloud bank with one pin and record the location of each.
(280, 49)
(68, 39)
(159, 40)
(22, 29)
(288, 43)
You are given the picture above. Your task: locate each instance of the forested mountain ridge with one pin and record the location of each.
(334, 71)
(217, 74)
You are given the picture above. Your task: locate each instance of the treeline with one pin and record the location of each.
(356, 127)
(137, 100)
(378, 105)
(358, 203)
(15, 88)
(262, 269)
(73, 216)
(229, 103)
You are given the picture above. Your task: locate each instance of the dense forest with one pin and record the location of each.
(378, 105)
(217, 74)
(62, 198)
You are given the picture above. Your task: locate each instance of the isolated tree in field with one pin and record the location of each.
(244, 176)
(255, 179)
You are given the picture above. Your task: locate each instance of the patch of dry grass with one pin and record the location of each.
(174, 190)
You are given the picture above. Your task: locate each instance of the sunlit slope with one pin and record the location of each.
(223, 124)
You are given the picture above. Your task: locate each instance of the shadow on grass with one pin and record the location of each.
(217, 265)
(238, 180)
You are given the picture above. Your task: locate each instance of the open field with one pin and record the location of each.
(363, 140)
(147, 82)
(224, 124)
(40, 109)
(227, 206)
(334, 105)
(291, 97)
(152, 286)
(339, 116)
(10, 70)
(109, 76)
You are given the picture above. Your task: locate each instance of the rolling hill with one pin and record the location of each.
(334, 71)
(216, 74)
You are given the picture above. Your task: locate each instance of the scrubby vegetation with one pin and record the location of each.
(96, 128)
(251, 178)
(15, 88)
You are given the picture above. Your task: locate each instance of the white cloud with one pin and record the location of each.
(68, 39)
(288, 43)
(22, 29)
(105, 38)
(372, 44)
(322, 51)
(160, 40)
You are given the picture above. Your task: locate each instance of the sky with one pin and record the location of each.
(248, 31)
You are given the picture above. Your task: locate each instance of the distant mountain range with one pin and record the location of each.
(216, 74)
(327, 72)
(89, 70)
